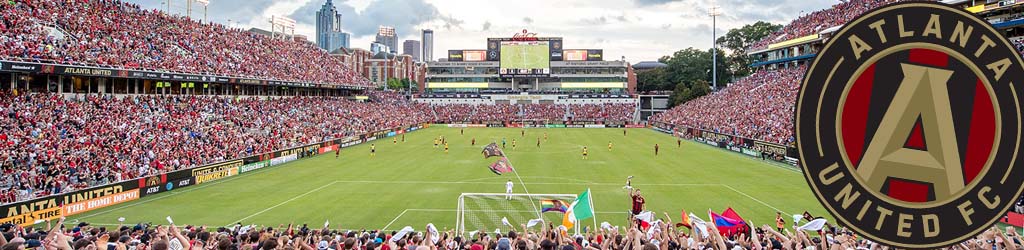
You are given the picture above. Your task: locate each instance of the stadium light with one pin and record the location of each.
(205, 3)
(714, 12)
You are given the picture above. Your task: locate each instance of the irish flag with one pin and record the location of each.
(580, 209)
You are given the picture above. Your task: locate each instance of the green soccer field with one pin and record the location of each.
(412, 183)
(523, 56)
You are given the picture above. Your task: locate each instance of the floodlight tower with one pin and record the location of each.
(714, 12)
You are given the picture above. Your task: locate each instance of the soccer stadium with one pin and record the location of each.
(133, 125)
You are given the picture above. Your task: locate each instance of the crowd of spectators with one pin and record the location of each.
(1019, 206)
(622, 112)
(112, 33)
(605, 112)
(49, 144)
(661, 236)
(759, 107)
(816, 21)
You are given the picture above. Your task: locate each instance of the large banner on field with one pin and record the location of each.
(100, 202)
(217, 171)
(41, 208)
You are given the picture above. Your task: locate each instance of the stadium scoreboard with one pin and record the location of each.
(525, 61)
(523, 55)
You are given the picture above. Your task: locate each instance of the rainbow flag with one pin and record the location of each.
(553, 206)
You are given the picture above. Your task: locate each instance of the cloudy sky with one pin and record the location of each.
(639, 30)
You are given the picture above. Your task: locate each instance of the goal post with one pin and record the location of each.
(484, 211)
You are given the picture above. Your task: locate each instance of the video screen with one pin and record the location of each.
(525, 58)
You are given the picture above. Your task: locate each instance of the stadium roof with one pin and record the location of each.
(649, 65)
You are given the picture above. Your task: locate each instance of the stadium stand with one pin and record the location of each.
(662, 236)
(758, 107)
(1019, 207)
(816, 21)
(122, 35)
(54, 145)
(604, 112)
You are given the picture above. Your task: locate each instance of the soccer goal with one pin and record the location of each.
(484, 211)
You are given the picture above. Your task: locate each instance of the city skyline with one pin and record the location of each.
(646, 29)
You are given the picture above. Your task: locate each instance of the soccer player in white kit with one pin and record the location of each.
(508, 190)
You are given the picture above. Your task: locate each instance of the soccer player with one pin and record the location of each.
(538, 142)
(445, 148)
(403, 137)
(623, 132)
(508, 189)
(337, 153)
(522, 133)
(638, 202)
(473, 142)
(609, 146)
(629, 183)
(545, 136)
(513, 144)
(656, 149)
(462, 131)
(584, 152)
(394, 140)
(436, 141)
(373, 150)
(502, 143)
(679, 142)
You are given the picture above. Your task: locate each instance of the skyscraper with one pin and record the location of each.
(328, 28)
(411, 47)
(387, 36)
(377, 47)
(428, 45)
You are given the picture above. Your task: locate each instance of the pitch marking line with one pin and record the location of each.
(527, 183)
(455, 210)
(755, 199)
(284, 202)
(172, 193)
(395, 219)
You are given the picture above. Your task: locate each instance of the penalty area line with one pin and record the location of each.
(282, 203)
(755, 199)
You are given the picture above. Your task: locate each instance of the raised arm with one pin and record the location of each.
(181, 239)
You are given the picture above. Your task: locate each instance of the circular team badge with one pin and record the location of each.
(908, 125)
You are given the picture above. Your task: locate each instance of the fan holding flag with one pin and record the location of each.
(638, 202)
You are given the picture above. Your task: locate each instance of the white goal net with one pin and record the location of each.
(484, 211)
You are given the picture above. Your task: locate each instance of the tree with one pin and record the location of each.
(737, 40)
(688, 74)
(399, 84)
(653, 80)
(679, 94)
(698, 89)
(685, 92)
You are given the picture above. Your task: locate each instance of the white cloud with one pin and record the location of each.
(639, 29)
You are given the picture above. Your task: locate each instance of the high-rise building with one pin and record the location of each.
(378, 47)
(412, 48)
(328, 28)
(339, 40)
(387, 36)
(428, 45)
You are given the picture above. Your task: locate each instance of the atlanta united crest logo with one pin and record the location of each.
(909, 125)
